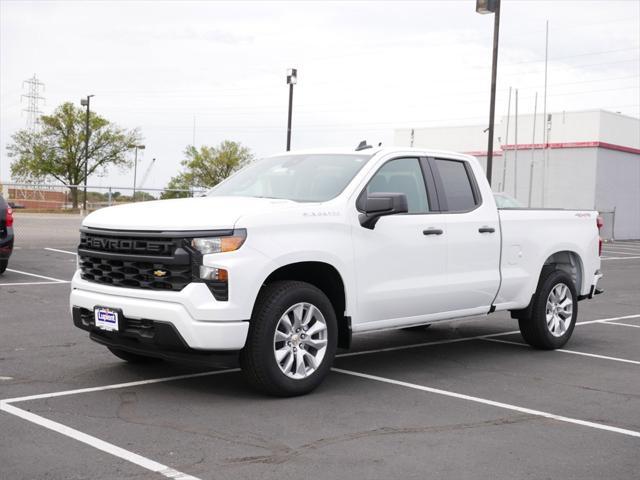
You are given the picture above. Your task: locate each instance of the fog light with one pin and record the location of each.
(212, 273)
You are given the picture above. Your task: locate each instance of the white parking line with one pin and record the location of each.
(633, 248)
(618, 258)
(37, 276)
(6, 405)
(484, 401)
(622, 324)
(20, 284)
(573, 352)
(117, 386)
(96, 443)
(464, 339)
(61, 251)
(620, 252)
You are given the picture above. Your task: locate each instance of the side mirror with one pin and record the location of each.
(379, 205)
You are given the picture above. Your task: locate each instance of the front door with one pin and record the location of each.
(401, 263)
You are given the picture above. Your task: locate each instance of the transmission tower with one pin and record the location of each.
(33, 97)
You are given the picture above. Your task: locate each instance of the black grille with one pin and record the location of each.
(135, 274)
(140, 260)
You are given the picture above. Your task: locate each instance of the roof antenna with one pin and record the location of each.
(363, 146)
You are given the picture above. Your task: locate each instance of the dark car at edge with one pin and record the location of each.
(6, 234)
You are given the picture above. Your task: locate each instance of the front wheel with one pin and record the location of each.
(292, 339)
(554, 312)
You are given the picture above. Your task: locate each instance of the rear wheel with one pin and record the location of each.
(133, 357)
(3, 266)
(292, 339)
(554, 312)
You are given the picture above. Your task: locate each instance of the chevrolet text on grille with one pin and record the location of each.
(116, 244)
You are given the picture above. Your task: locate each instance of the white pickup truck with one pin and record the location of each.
(282, 262)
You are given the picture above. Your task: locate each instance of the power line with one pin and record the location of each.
(33, 97)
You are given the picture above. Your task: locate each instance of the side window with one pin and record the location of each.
(457, 185)
(402, 175)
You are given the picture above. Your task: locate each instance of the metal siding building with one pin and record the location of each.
(592, 161)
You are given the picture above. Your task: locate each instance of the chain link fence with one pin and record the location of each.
(57, 198)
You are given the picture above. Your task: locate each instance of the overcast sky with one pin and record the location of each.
(364, 67)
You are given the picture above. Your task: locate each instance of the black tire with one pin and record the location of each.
(417, 328)
(133, 357)
(258, 360)
(534, 329)
(3, 266)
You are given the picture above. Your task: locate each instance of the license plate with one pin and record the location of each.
(106, 319)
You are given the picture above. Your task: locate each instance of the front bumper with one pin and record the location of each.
(193, 313)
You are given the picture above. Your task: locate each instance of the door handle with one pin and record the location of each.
(433, 231)
(486, 230)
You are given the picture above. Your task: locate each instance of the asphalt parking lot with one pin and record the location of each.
(457, 400)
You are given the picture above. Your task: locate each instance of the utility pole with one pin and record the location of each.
(135, 167)
(292, 79)
(545, 119)
(33, 97)
(86, 102)
(506, 142)
(515, 153)
(533, 148)
(483, 7)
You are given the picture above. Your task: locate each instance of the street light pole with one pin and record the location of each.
(86, 102)
(292, 79)
(483, 7)
(135, 167)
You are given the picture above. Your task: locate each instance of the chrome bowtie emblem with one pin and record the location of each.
(159, 273)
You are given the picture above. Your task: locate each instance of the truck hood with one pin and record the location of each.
(204, 213)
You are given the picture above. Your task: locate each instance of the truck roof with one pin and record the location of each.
(379, 150)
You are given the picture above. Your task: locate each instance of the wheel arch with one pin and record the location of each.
(328, 279)
(567, 261)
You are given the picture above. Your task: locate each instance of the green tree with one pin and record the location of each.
(208, 166)
(57, 149)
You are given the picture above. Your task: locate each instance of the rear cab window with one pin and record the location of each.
(456, 185)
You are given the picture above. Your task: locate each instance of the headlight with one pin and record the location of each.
(207, 245)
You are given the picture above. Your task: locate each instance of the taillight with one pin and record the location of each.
(9, 218)
(600, 224)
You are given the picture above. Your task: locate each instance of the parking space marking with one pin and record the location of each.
(622, 245)
(622, 324)
(621, 252)
(20, 284)
(493, 403)
(117, 386)
(464, 339)
(61, 251)
(152, 465)
(562, 350)
(36, 275)
(618, 258)
(95, 442)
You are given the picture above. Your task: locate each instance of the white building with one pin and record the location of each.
(592, 161)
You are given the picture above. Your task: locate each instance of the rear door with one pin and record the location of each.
(473, 236)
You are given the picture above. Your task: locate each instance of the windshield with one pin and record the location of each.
(301, 178)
